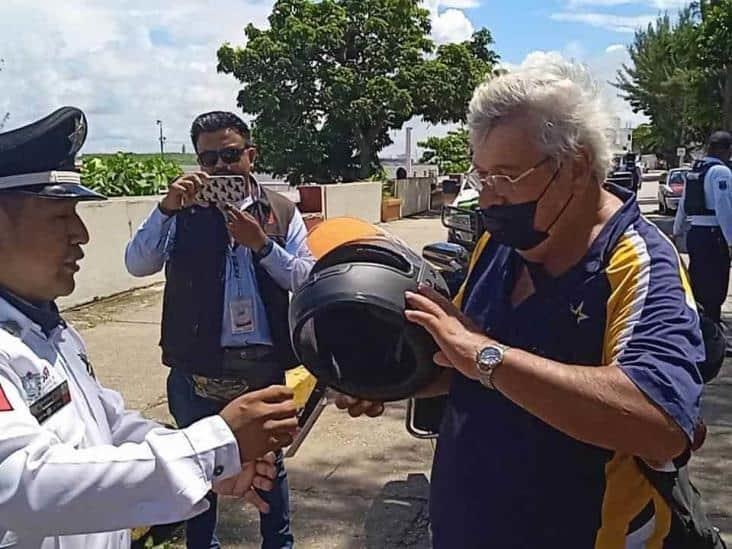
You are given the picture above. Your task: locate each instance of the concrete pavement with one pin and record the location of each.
(354, 483)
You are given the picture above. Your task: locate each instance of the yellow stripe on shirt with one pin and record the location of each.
(477, 252)
(627, 490)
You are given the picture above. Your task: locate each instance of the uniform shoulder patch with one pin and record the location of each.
(5, 405)
(723, 184)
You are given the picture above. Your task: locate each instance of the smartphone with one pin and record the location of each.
(223, 189)
(307, 417)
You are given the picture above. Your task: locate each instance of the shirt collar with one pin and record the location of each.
(14, 309)
(598, 254)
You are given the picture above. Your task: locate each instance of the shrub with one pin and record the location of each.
(123, 174)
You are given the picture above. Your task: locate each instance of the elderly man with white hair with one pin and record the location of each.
(570, 354)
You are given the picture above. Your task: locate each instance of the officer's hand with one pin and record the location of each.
(262, 421)
(258, 474)
(357, 407)
(182, 191)
(244, 229)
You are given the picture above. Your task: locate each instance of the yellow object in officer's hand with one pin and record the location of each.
(302, 383)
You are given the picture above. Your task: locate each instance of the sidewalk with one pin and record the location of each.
(355, 483)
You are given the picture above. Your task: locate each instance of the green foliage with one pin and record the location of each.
(660, 82)
(451, 153)
(123, 174)
(330, 79)
(181, 159)
(680, 77)
(644, 139)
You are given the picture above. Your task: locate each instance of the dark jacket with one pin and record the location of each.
(193, 301)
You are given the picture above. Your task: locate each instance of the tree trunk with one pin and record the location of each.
(363, 140)
(727, 99)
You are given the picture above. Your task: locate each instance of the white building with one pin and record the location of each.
(620, 137)
(391, 165)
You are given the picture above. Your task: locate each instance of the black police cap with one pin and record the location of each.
(38, 159)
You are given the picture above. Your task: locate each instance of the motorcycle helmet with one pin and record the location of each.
(347, 321)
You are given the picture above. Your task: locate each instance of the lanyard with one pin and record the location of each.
(236, 269)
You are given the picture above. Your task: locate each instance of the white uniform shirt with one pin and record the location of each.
(89, 470)
(717, 197)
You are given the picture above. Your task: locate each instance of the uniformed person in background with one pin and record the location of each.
(77, 470)
(707, 206)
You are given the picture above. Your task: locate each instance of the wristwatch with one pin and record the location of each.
(488, 359)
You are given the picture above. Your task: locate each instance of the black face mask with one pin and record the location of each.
(513, 224)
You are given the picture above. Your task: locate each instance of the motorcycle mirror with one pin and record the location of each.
(460, 219)
(446, 256)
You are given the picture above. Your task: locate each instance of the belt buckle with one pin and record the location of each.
(222, 390)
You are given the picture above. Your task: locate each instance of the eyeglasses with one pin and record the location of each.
(229, 155)
(500, 184)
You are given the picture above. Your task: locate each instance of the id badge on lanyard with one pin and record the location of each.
(241, 307)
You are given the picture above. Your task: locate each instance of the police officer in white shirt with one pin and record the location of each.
(707, 205)
(77, 470)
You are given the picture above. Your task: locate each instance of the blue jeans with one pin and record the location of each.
(187, 407)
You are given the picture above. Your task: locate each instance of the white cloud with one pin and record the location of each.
(617, 23)
(460, 4)
(104, 59)
(128, 64)
(451, 25)
(615, 47)
(449, 22)
(669, 4)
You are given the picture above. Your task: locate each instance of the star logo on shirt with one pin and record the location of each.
(579, 313)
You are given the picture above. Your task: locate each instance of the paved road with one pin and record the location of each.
(355, 483)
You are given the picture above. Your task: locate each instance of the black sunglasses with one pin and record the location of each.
(229, 155)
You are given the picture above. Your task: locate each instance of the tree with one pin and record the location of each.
(714, 45)
(681, 76)
(451, 153)
(644, 141)
(663, 82)
(329, 80)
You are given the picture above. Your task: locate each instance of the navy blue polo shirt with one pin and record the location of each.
(503, 478)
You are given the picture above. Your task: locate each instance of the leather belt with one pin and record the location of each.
(244, 369)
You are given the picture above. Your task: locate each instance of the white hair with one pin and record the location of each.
(562, 96)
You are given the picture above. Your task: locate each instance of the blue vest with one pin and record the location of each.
(193, 300)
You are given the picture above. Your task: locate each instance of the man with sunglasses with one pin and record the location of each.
(571, 351)
(225, 308)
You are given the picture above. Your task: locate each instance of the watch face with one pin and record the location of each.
(489, 358)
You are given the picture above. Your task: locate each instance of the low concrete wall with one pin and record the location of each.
(361, 200)
(414, 193)
(111, 225)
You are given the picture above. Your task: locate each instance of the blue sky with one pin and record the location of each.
(127, 63)
(522, 26)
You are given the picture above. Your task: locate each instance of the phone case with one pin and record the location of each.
(223, 189)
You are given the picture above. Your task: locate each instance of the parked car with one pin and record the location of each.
(459, 212)
(670, 188)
